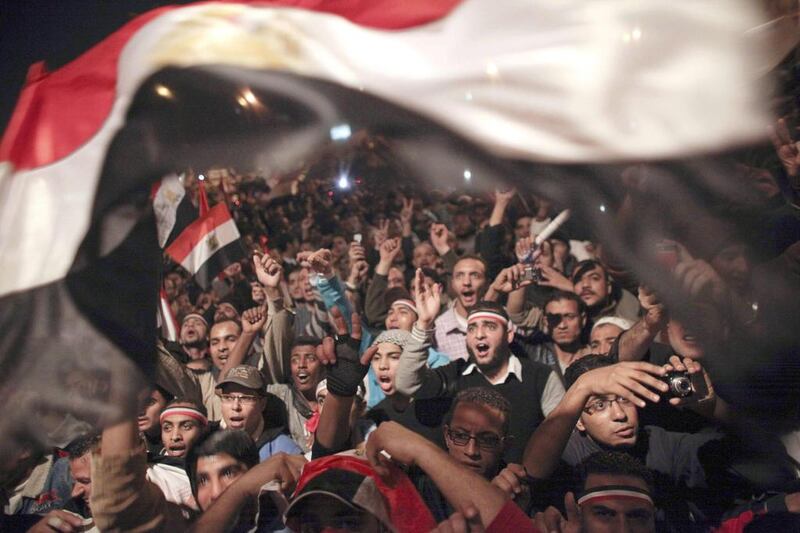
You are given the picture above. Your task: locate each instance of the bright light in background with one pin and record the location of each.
(164, 91)
(242, 101)
(201, 177)
(467, 174)
(602, 208)
(340, 132)
(343, 182)
(248, 95)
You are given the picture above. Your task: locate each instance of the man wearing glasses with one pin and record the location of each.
(243, 396)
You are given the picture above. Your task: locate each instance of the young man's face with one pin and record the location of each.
(306, 368)
(610, 421)
(225, 311)
(214, 474)
(424, 256)
(602, 337)
(683, 341)
(242, 408)
(222, 340)
(567, 330)
(733, 265)
(611, 515)
(395, 279)
(179, 433)
(593, 287)
(151, 410)
(469, 421)
(522, 228)
(293, 281)
(81, 471)
(400, 317)
(384, 363)
(193, 330)
(487, 343)
(469, 277)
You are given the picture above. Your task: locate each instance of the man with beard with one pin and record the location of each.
(194, 339)
(593, 284)
(468, 284)
(564, 320)
(532, 388)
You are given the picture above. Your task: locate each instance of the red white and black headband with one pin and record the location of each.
(187, 411)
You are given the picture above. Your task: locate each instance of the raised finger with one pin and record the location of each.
(368, 354)
(552, 519)
(339, 323)
(571, 506)
(355, 320)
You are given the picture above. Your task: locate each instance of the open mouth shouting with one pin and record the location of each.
(386, 383)
(236, 421)
(176, 449)
(482, 350)
(302, 378)
(469, 297)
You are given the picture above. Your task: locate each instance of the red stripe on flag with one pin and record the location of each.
(60, 111)
(203, 199)
(186, 241)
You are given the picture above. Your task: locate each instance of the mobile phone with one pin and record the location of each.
(357, 238)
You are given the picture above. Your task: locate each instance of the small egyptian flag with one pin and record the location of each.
(208, 245)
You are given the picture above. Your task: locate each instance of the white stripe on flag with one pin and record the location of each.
(209, 244)
(165, 204)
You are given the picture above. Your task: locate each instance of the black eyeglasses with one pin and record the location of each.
(485, 441)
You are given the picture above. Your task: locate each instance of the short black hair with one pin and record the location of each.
(585, 266)
(559, 295)
(583, 365)
(485, 396)
(83, 445)
(226, 319)
(474, 257)
(234, 442)
(615, 464)
(306, 340)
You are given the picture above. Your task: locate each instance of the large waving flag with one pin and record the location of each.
(456, 86)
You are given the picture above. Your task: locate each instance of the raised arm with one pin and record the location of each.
(634, 343)
(375, 308)
(633, 381)
(412, 370)
(122, 498)
(465, 490)
(346, 370)
(223, 514)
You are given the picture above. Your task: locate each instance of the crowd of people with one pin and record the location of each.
(391, 358)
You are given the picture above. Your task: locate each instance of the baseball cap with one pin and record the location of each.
(244, 375)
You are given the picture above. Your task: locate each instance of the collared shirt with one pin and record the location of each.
(551, 395)
(514, 367)
(450, 336)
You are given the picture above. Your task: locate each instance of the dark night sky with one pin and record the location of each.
(56, 31)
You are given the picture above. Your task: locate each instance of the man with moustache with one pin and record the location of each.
(468, 285)
(532, 388)
(593, 284)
